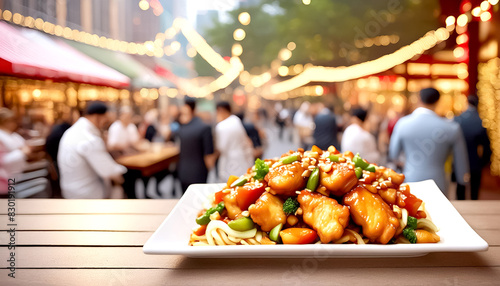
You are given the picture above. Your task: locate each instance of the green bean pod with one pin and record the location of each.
(290, 159)
(359, 172)
(371, 168)
(312, 182)
(359, 162)
(241, 224)
(334, 158)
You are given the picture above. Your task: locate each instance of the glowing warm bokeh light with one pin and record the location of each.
(37, 93)
(283, 71)
(285, 54)
(7, 15)
(306, 2)
(298, 68)
(476, 12)
(485, 16)
(175, 46)
(462, 39)
(291, 46)
(144, 5)
(485, 5)
(458, 52)
(239, 34)
(244, 18)
(380, 99)
(319, 90)
(170, 33)
(450, 20)
(462, 20)
(236, 50)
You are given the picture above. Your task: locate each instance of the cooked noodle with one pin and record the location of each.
(219, 233)
(358, 237)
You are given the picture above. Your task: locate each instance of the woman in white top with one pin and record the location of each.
(123, 134)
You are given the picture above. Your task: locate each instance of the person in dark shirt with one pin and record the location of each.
(196, 147)
(52, 148)
(150, 133)
(325, 133)
(53, 139)
(55, 135)
(478, 146)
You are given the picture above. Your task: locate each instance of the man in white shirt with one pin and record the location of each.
(86, 167)
(123, 134)
(357, 140)
(232, 142)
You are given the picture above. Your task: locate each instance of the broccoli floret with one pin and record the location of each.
(290, 206)
(412, 223)
(410, 235)
(261, 169)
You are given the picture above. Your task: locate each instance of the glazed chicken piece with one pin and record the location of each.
(231, 205)
(339, 180)
(375, 216)
(286, 179)
(267, 212)
(324, 215)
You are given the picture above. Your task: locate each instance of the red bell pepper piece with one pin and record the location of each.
(248, 194)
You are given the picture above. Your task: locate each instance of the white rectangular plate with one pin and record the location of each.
(172, 237)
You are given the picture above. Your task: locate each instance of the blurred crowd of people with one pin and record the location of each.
(81, 150)
(421, 144)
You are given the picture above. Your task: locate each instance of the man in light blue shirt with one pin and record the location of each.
(427, 140)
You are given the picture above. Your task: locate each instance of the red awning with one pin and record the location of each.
(26, 52)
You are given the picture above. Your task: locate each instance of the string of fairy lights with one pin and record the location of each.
(233, 68)
(339, 74)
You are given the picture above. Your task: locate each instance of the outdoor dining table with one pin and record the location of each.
(99, 242)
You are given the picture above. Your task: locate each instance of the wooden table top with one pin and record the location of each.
(147, 158)
(150, 162)
(99, 242)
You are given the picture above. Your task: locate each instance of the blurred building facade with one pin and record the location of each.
(123, 20)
